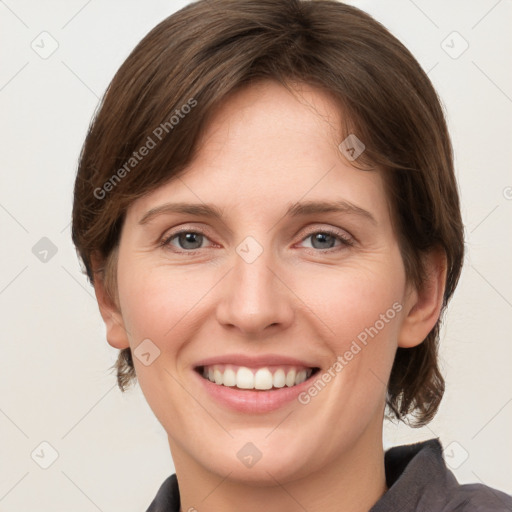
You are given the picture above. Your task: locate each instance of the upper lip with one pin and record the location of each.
(255, 361)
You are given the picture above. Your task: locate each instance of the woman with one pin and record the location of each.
(267, 209)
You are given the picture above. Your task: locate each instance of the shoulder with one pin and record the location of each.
(479, 498)
(419, 480)
(167, 498)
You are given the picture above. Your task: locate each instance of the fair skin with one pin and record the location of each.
(302, 297)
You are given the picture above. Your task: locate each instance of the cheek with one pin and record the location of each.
(160, 303)
(354, 298)
(358, 312)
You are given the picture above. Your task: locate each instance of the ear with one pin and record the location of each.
(423, 306)
(110, 312)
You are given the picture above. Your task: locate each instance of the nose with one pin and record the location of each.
(255, 298)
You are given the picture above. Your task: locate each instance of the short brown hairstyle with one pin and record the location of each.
(209, 49)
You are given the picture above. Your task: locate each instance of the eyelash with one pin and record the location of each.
(345, 241)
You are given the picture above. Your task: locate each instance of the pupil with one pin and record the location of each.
(188, 238)
(320, 237)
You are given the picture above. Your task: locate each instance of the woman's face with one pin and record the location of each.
(263, 290)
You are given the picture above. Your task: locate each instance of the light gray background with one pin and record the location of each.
(54, 380)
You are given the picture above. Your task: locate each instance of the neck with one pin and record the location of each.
(352, 482)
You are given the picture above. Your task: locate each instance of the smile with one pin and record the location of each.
(263, 378)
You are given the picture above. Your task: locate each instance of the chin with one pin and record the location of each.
(275, 465)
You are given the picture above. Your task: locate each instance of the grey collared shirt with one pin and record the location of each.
(417, 479)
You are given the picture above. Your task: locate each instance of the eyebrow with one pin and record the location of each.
(294, 210)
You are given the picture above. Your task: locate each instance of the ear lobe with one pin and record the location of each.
(424, 305)
(110, 312)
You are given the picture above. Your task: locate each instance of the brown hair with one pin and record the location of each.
(180, 72)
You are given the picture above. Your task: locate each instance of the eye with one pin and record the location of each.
(187, 240)
(326, 239)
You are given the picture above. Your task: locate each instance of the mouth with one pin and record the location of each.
(266, 378)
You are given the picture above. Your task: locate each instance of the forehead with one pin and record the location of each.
(265, 147)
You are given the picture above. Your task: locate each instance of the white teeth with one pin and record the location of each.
(279, 378)
(301, 377)
(245, 378)
(263, 379)
(217, 375)
(229, 377)
(290, 378)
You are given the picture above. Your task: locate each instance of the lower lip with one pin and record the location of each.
(249, 401)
